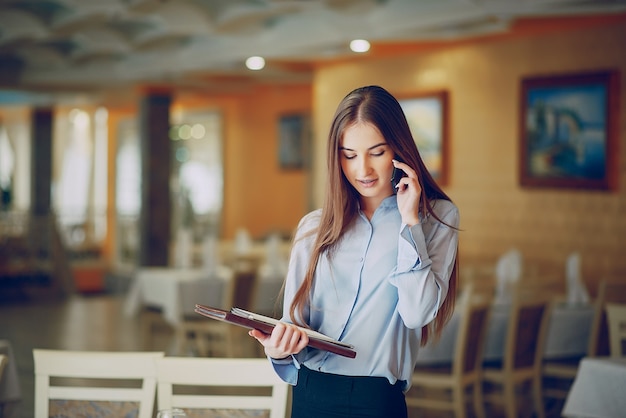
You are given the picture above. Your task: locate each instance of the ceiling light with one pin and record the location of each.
(184, 131)
(197, 131)
(255, 63)
(360, 45)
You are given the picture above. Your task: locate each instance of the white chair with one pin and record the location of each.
(203, 373)
(96, 376)
(616, 318)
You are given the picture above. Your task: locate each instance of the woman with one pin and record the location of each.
(375, 267)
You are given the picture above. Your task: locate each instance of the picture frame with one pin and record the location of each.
(568, 131)
(293, 140)
(427, 115)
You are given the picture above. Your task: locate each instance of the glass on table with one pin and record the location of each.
(171, 413)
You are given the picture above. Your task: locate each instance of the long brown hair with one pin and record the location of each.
(374, 105)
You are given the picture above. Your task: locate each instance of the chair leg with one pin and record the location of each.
(458, 399)
(231, 347)
(180, 337)
(479, 403)
(538, 397)
(146, 330)
(509, 400)
(201, 344)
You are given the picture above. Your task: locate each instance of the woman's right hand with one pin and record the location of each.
(408, 196)
(285, 340)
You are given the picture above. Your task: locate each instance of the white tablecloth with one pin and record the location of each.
(268, 299)
(568, 334)
(176, 291)
(599, 390)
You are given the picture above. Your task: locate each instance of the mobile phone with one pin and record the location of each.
(396, 175)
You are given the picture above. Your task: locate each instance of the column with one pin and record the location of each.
(41, 161)
(154, 224)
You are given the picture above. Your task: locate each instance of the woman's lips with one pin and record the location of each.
(367, 183)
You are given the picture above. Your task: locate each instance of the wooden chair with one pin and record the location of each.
(609, 291)
(616, 316)
(207, 337)
(465, 370)
(523, 350)
(95, 383)
(251, 384)
(559, 374)
(3, 362)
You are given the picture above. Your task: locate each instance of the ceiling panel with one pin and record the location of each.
(65, 44)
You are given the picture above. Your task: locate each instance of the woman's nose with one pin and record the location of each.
(364, 166)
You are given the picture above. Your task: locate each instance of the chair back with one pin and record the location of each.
(209, 337)
(526, 331)
(474, 321)
(98, 377)
(245, 289)
(242, 287)
(3, 362)
(608, 292)
(616, 316)
(176, 376)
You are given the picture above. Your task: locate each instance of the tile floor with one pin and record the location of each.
(77, 323)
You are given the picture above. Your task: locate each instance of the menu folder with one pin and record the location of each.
(266, 324)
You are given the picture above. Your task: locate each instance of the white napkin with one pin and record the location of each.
(576, 292)
(243, 242)
(210, 255)
(508, 272)
(275, 266)
(184, 248)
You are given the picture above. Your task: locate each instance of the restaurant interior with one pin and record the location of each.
(144, 169)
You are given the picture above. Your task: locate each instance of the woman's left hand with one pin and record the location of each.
(409, 192)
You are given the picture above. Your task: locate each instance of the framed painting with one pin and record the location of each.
(568, 131)
(427, 115)
(293, 140)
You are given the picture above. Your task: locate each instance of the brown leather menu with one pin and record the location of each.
(266, 324)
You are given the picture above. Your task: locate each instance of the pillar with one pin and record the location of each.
(154, 224)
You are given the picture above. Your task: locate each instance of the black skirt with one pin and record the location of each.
(325, 395)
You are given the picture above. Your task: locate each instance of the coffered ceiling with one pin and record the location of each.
(76, 44)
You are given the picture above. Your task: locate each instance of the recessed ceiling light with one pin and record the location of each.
(360, 45)
(255, 63)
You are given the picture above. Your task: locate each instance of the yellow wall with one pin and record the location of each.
(483, 81)
(258, 194)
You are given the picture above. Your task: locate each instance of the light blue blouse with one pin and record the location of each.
(381, 285)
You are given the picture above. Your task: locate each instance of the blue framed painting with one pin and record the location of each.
(427, 115)
(293, 137)
(568, 131)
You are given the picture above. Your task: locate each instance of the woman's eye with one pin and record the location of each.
(378, 154)
(349, 157)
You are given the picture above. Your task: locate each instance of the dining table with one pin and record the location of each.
(568, 334)
(599, 389)
(175, 291)
(171, 293)
(268, 299)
